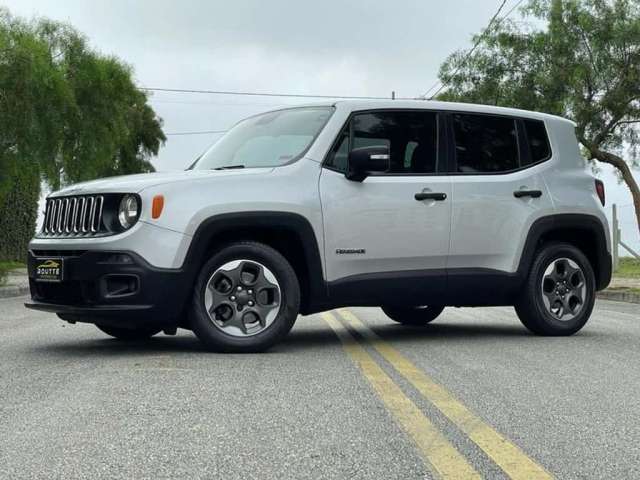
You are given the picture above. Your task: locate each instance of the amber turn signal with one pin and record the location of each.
(157, 206)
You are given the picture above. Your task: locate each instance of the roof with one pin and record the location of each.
(448, 106)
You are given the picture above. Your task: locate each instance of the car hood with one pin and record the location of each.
(137, 183)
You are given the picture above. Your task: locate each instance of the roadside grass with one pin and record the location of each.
(624, 289)
(5, 267)
(628, 268)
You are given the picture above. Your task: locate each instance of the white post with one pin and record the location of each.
(615, 238)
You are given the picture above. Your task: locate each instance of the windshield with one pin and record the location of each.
(267, 140)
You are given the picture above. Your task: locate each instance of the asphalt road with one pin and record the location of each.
(348, 395)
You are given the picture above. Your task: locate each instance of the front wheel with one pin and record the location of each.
(128, 333)
(413, 315)
(246, 299)
(559, 293)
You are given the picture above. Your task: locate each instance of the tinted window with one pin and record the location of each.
(485, 143)
(538, 141)
(410, 136)
(338, 159)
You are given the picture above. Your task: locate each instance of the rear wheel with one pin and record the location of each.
(413, 315)
(246, 299)
(559, 293)
(128, 333)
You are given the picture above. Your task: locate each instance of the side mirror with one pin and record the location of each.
(366, 160)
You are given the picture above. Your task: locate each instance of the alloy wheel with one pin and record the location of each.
(564, 289)
(242, 298)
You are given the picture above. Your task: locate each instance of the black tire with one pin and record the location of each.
(128, 333)
(530, 306)
(213, 337)
(413, 315)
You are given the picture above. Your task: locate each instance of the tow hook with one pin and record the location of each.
(170, 330)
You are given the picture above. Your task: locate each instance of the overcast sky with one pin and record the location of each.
(332, 47)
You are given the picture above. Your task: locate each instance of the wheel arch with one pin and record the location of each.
(289, 233)
(583, 231)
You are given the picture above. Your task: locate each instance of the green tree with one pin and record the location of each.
(67, 114)
(575, 58)
(109, 120)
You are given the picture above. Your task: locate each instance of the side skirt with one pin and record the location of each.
(457, 287)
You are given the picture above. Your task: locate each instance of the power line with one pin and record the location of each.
(345, 97)
(201, 132)
(475, 45)
(214, 104)
(259, 94)
(506, 15)
(256, 94)
(470, 51)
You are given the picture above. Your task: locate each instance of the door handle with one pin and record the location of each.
(527, 193)
(430, 196)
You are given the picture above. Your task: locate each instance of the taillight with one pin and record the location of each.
(600, 191)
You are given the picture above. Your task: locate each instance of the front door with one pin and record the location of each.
(391, 231)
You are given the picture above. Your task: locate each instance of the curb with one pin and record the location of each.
(13, 291)
(619, 296)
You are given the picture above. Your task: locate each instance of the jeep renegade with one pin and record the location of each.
(410, 206)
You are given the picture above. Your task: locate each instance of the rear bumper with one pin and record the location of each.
(110, 288)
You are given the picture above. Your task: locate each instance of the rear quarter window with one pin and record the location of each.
(538, 141)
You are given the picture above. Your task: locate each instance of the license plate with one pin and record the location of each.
(48, 270)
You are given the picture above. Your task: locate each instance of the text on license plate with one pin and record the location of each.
(48, 270)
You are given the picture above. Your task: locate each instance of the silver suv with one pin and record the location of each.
(406, 205)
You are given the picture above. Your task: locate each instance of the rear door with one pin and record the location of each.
(497, 190)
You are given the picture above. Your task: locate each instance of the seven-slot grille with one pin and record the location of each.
(73, 215)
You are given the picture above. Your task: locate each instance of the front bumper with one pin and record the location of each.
(160, 247)
(116, 288)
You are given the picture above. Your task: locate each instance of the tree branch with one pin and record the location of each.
(623, 168)
(609, 127)
(627, 122)
(585, 40)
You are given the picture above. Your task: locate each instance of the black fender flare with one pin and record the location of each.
(586, 223)
(214, 228)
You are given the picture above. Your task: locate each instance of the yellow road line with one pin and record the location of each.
(440, 456)
(510, 458)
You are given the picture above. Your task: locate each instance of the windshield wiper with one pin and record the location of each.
(228, 167)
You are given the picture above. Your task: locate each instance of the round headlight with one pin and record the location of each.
(128, 211)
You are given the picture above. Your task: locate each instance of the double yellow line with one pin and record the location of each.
(439, 454)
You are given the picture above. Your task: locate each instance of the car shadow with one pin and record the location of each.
(398, 334)
(438, 330)
(312, 336)
(109, 347)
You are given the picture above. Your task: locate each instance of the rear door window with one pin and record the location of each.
(485, 143)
